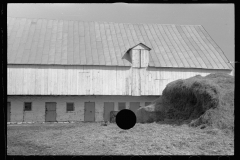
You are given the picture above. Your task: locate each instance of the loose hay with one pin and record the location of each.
(198, 101)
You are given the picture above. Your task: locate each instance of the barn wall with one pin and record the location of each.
(38, 106)
(94, 80)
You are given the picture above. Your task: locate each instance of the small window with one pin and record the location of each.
(147, 103)
(121, 105)
(27, 106)
(70, 107)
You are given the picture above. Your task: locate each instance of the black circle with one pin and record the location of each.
(126, 119)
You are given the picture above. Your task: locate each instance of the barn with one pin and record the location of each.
(67, 70)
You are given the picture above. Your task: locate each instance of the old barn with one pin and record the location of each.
(64, 70)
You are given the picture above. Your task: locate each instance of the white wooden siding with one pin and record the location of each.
(93, 80)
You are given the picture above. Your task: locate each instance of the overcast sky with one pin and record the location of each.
(217, 19)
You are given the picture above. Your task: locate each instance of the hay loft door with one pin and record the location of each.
(140, 59)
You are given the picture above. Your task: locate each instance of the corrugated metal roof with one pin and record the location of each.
(62, 42)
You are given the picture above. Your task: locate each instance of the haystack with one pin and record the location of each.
(197, 101)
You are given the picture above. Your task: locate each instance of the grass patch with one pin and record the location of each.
(94, 139)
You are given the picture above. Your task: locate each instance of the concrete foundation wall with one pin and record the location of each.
(38, 106)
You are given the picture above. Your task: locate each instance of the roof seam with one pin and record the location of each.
(175, 45)
(190, 44)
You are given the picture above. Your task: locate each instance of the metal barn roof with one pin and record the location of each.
(68, 42)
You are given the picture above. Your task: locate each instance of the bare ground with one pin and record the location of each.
(94, 139)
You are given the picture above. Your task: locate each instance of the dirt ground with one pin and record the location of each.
(94, 139)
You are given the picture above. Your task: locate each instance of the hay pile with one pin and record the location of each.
(197, 101)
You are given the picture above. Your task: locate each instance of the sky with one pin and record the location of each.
(217, 19)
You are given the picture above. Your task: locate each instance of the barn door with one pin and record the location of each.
(8, 111)
(134, 106)
(136, 82)
(108, 107)
(139, 64)
(50, 115)
(89, 112)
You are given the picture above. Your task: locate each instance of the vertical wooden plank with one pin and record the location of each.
(93, 79)
(28, 82)
(142, 81)
(153, 81)
(63, 81)
(20, 70)
(48, 75)
(24, 79)
(33, 77)
(8, 82)
(130, 81)
(73, 79)
(87, 80)
(78, 79)
(122, 81)
(70, 71)
(59, 80)
(118, 81)
(52, 75)
(66, 85)
(103, 79)
(86, 74)
(69, 76)
(109, 87)
(56, 80)
(99, 80)
(107, 81)
(125, 79)
(37, 84)
(115, 80)
(40, 74)
(13, 81)
(82, 81)
(16, 81)
(95, 86)
(41, 78)
(71, 68)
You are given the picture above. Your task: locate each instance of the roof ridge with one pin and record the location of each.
(110, 22)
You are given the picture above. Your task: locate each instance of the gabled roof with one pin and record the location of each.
(67, 42)
(127, 56)
(141, 44)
